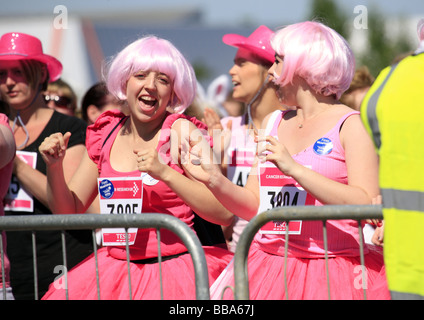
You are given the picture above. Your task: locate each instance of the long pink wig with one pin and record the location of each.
(317, 54)
(156, 54)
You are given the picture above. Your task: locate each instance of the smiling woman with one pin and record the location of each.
(148, 54)
(157, 83)
(151, 92)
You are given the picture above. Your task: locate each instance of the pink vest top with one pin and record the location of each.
(325, 156)
(157, 197)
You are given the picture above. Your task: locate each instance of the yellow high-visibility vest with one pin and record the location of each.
(393, 113)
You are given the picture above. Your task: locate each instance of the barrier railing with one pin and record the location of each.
(92, 222)
(285, 214)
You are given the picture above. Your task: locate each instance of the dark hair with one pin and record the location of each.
(33, 70)
(67, 91)
(96, 95)
(4, 107)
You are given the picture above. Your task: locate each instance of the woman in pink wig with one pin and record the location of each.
(252, 86)
(158, 84)
(318, 154)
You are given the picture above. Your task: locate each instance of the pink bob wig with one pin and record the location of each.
(160, 55)
(316, 53)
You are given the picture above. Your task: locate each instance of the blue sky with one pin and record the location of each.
(215, 12)
(218, 17)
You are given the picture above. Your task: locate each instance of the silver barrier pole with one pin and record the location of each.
(328, 212)
(145, 220)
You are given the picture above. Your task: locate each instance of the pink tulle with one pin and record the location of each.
(306, 278)
(177, 274)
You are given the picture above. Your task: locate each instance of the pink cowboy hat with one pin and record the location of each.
(21, 46)
(258, 42)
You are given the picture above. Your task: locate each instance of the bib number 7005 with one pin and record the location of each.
(120, 196)
(121, 208)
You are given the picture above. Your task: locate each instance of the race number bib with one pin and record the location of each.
(120, 196)
(241, 160)
(279, 190)
(17, 198)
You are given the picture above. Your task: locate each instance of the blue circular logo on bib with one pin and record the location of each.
(323, 146)
(106, 189)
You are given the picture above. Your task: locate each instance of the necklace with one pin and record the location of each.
(300, 125)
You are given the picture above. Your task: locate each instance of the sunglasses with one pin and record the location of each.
(61, 102)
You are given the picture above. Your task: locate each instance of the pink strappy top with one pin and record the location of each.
(326, 156)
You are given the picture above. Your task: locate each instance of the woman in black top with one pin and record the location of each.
(24, 73)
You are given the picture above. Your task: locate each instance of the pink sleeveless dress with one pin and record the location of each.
(306, 275)
(177, 269)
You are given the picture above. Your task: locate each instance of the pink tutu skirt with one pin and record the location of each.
(177, 277)
(306, 278)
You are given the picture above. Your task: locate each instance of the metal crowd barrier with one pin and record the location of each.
(95, 221)
(324, 213)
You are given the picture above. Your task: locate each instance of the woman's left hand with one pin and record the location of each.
(148, 161)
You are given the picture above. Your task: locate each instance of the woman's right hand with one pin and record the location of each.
(53, 148)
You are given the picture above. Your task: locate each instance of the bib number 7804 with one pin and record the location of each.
(280, 197)
(286, 198)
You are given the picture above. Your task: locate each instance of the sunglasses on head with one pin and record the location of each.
(61, 102)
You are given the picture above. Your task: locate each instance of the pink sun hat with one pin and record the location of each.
(21, 46)
(259, 42)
